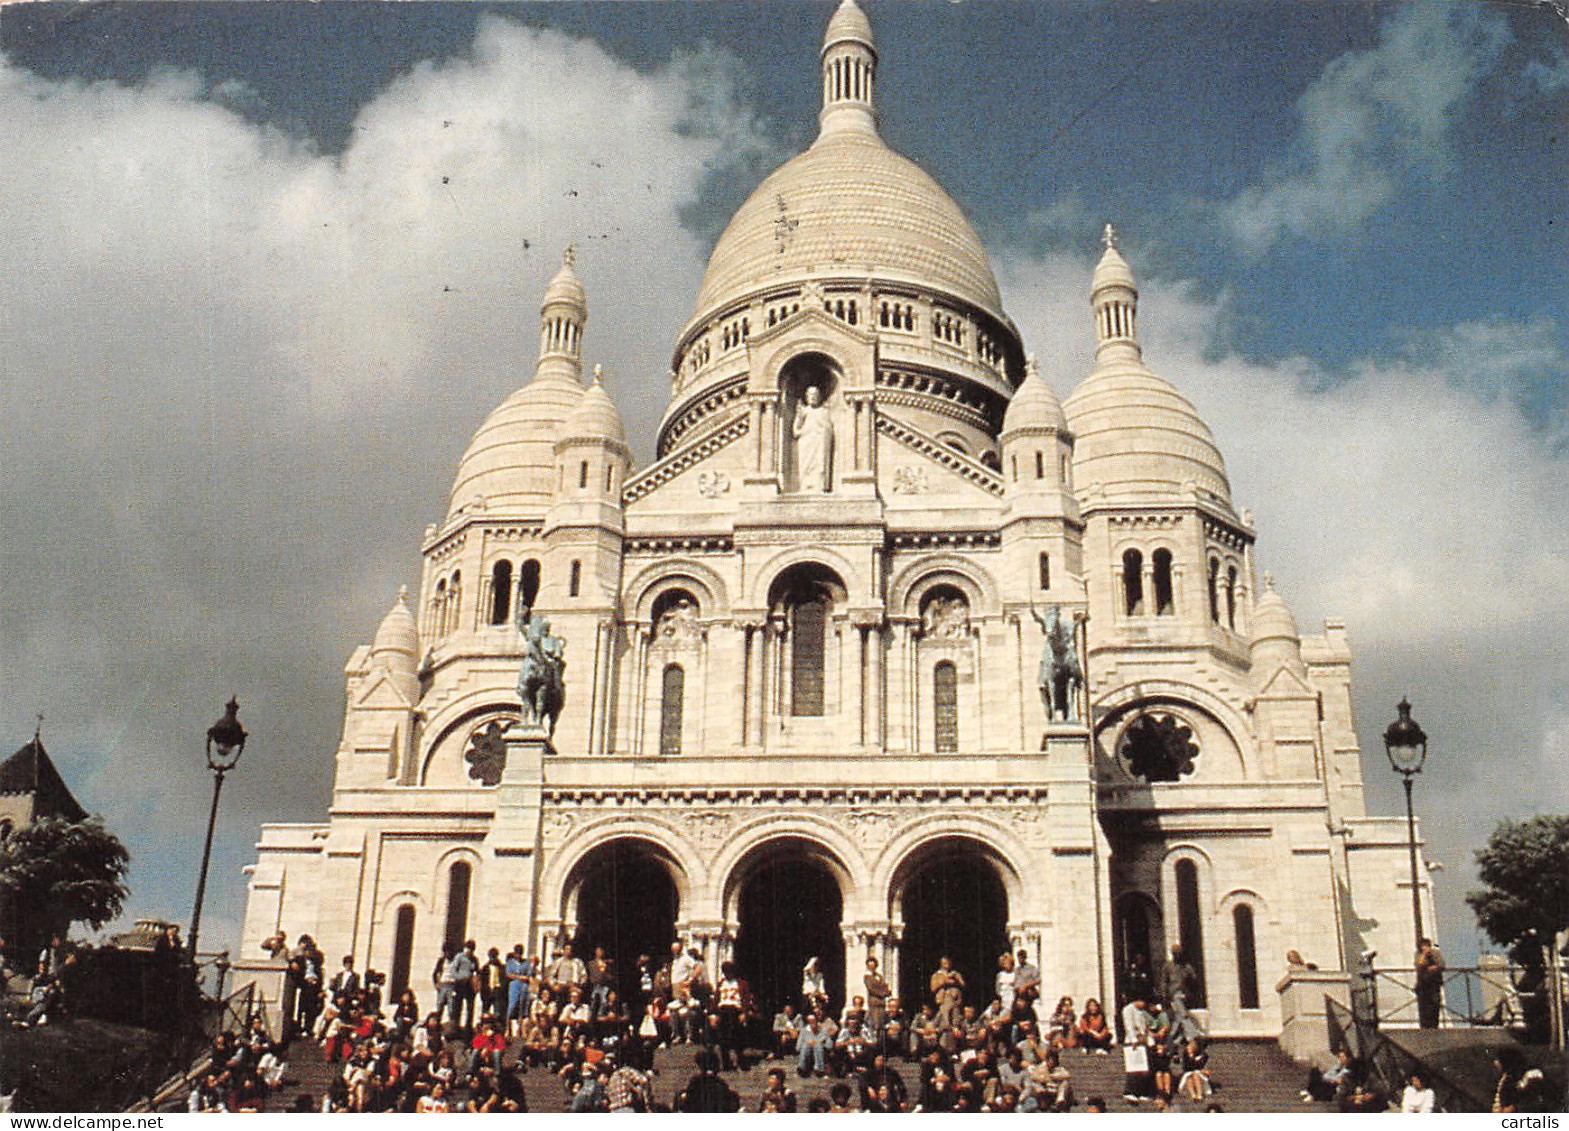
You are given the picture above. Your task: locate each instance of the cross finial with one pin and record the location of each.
(403, 594)
(599, 374)
(569, 256)
(1269, 581)
(1031, 367)
(38, 730)
(1109, 237)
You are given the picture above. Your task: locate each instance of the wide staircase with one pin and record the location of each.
(1252, 1076)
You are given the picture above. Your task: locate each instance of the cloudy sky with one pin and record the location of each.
(268, 266)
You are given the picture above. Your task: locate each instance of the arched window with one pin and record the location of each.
(1133, 583)
(500, 592)
(1247, 956)
(438, 608)
(945, 698)
(1231, 598)
(808, 641)
(1190, 928)
(575, 579)
(1040, 465)
(582, 476)
(459, 877)
(671, 704)
(1164, 605)
(1045, 571)
(455, 601)
(528, 583)
(1214, 590)
(402, 951)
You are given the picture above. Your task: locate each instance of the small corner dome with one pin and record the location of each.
(1034, 405)
(850, 24)
(398, 634)
(1272, 619)
(596, 416)
(1135, 434)
(511, 460)
(566, 287)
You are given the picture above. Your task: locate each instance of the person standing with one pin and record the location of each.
(601, 977)
(493, 984)
(463, 972)
(1177, 987)
(518, 970)
(1429, 984)
(948, 992)
(877, 994)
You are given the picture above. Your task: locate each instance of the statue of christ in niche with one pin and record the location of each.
(813, 431)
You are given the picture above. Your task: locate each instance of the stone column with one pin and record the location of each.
(877, 699)
(755, 701)
(855, 691)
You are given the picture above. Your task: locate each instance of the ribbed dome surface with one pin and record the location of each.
(1135, 434)
(511, 459)
(1034, 404)
(849, 205)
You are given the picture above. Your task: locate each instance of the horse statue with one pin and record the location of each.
(541, 680)
(1061, 675)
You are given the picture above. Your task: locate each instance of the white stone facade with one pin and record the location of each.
(706, 731)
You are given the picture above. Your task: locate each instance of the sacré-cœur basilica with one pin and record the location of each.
(823, 656)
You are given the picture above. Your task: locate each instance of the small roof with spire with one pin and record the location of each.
(566, 286)
(1034, 404)
(850, 24)
(398, 632)
(596, 416)
(31, 771)
(1272, 619)
(1112, 270)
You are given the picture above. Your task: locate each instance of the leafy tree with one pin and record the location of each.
(55, 872)
(1526, 869)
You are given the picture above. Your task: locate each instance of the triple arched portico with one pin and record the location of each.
(779, 890)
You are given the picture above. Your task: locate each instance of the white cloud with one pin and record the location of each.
(236, 376)
(1406, 500)
(1370, 120)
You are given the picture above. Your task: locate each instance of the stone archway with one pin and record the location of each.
(623, 895)
(950, 897)
(786, 897)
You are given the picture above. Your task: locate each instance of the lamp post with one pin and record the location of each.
(1406, 746)
(225, 744)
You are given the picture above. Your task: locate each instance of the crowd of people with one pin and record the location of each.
(494, 1019)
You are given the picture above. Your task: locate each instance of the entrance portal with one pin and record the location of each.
(789, 907)
(627, 903)
(953, 903)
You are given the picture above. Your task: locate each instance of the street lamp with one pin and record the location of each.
(225, 744)
(1406, 746)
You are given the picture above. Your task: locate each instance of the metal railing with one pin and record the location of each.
(1471, 996)
(1390, 1064)
(190, 1054)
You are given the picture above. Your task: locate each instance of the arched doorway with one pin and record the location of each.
(1136, 942)
(788, 901)
(950, 896)
(623, 896)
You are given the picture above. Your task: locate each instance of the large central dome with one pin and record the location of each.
(849, 206)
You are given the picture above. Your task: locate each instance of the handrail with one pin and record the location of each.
(1391, 1063)
(1489, 995)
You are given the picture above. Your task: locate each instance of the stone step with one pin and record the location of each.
(1253, 1076)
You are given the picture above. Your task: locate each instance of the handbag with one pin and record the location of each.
(1135, 1058)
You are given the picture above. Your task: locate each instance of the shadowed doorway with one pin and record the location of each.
(789, 908)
